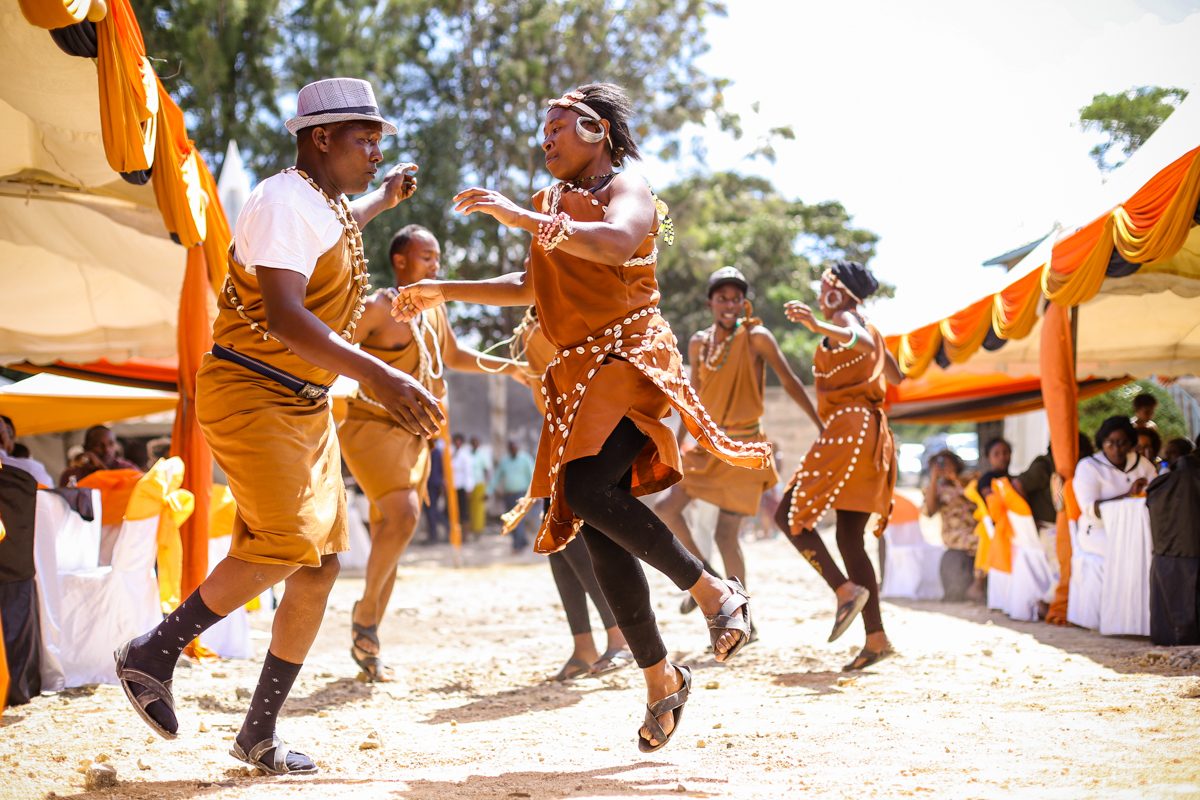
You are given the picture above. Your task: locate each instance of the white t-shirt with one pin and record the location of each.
(1097, 479)
(285, 224)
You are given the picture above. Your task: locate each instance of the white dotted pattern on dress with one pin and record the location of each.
(794, 509)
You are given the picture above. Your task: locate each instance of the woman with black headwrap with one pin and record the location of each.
(851, 468)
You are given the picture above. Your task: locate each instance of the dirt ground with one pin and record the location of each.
(975, 706)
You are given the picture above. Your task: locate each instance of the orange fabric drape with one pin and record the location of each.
(1152, 225)
(116, 486)
(1078, 264)
(1062, 410)
(218, 235)
(129, 98)
(51, 14)
(918, 348)
(197, 310)
(1014, 308)
(963, 333)
(1000, 549)
(178, 187)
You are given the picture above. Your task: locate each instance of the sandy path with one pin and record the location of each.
(975, 706)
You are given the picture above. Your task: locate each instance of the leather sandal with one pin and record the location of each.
(372, 664)
(869, 657)
(278, 764)
(617, 658)
(673, 703)
(724, 620)
(151, 690)
(574, 668)
(848, 611)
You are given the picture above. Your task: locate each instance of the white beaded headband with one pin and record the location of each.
(828, 277)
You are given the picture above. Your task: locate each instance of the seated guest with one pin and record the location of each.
(1149, 443)
(1114, 473)
(1175, 450)
(997, 455)
(945, 495)
(9, 456)
(99, 452)
(1035, 485)
(1144, 406)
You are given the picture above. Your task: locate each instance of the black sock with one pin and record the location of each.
(274, 684)
(156, 652)
(712, 570)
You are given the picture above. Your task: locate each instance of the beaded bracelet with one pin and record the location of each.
(853, 340)
(553, 233)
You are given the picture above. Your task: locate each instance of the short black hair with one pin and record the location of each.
(405, 235)
(1113, 424)
(987, 448)
(612, 104)
(1155, 439)
(9, 423)
(1085, 446)
(1182, 445)
(950, 455)
(1145, 400)
(91, 434)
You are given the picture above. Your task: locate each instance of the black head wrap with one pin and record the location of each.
(857, 278)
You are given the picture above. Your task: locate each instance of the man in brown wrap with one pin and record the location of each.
(729, 363)
(286, 320)
(390, 463)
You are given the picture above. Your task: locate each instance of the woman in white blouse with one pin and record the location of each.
(1113, 473)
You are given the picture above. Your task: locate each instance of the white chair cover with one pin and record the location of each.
(912, 567)
(1125, 598)
(229, 638)
(64, 541)
(999, 584)
(1032, 574)
(105, 606)
(1087, 584)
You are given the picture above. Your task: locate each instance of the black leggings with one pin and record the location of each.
(618, 530)
(851, 526)
(576, 581)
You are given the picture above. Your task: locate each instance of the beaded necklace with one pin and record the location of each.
(711, 351)
(358, 276)
(666, 228)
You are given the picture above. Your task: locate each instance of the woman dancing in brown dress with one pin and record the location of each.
(851, 468)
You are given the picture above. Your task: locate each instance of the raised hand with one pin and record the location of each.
(489, 202)
(399, 183)
(415, 298)
(410, 403)
(799, 312)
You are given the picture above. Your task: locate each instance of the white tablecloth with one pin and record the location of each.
(1125, 598)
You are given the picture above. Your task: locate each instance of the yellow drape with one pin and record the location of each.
(129, 100)
(51, 14)
(918, 349)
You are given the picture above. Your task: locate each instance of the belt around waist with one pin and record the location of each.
(302, 388)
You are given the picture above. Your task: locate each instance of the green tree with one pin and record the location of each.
(1119, 402)
(216, 58)
(1128, 119)
(781, 245)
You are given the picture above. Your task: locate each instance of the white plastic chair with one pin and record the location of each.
(105, 606)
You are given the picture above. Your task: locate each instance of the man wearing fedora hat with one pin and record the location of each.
(728, 368)
(285, 326)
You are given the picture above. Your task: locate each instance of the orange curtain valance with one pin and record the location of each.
(963, 333)
(129, 99)
(917, 349)
(178, 187)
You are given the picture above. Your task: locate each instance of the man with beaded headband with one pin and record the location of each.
(286, 320)
(390, 463)
(851, 467)
(729, 363)
(615, 374)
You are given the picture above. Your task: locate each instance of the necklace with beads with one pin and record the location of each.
(358, 267)
(711, 351)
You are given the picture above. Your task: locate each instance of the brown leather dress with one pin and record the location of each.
(733, 394)
(382, 456)
(278, 451)
(615, 357)
(852, 466)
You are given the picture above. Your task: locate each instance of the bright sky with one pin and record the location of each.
(948, 128)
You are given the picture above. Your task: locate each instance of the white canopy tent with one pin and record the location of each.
(87, 268)
(1143, 324)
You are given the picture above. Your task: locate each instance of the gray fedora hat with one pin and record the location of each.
(336, 100)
